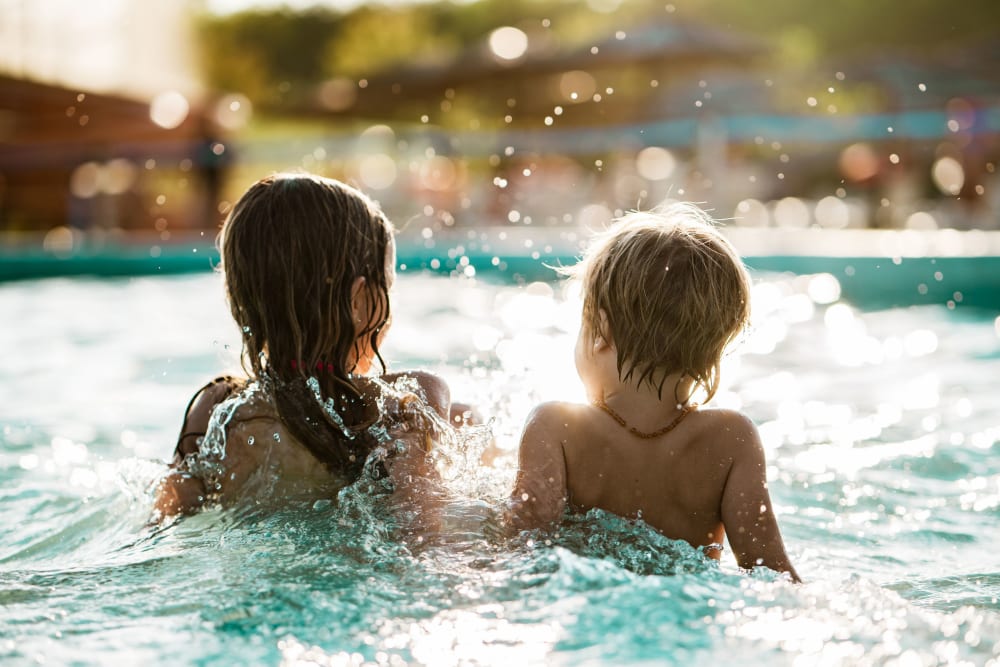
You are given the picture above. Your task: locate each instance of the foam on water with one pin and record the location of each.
(882, 447)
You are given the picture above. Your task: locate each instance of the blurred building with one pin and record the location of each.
(104, 162)
(100, 124)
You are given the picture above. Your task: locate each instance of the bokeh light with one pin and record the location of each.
(655, 163)
(832, 213)
(169, 109)
(377, 171)
(84, 182)
(577, 86)
(594, 216)
(858, 162)
(338, 94)
(921, 220)
(232, 111)
(439, 173)
(823, 288)
(752, 213)
(59, 241)
(948, 175)
(118, 176)
(380, 135)
(508, 43)
(791, 212)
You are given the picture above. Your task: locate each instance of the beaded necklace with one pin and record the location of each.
(642, 434)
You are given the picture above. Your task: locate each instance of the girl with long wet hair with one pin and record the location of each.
(308, 265)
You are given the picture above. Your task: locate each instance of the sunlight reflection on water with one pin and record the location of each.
(882, 447)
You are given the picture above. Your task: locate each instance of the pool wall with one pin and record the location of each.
(875, 269)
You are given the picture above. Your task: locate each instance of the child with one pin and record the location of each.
(663, 295)
(308, 264)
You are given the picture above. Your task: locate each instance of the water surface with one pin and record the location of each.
(880, 429)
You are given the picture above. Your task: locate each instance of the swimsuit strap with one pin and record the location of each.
(232, 384)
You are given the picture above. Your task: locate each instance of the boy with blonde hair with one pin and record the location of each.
(663, 295)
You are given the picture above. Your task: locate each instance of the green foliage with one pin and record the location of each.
(266, 53)
(853, 27)
(372, 39)
(261, 53)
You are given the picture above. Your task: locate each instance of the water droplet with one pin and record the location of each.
(250, 441)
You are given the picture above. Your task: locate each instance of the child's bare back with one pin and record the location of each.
(705, 476)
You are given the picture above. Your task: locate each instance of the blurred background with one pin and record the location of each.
(127, 129)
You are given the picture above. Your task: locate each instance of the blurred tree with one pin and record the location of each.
(278, 56)
(372, 39)
(854, 27)
(266, 54)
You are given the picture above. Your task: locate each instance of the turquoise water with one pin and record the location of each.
(882, 436)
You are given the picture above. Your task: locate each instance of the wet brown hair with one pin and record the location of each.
(674, 291)
(292, 248)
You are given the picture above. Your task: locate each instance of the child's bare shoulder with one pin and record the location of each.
(557, 416)
(730, 431)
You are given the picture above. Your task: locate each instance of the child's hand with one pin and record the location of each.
(411, 421)
(177, 493)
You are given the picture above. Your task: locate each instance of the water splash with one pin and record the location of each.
(208, 462)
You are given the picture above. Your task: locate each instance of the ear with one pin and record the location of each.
(603, 340)
(358, 299)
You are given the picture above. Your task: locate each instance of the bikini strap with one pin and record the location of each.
(185, 446)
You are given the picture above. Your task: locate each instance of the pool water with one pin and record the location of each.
(881, 430)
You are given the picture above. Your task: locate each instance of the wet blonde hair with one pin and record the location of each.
(674, 293)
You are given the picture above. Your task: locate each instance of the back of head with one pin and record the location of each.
(674, 293)
(292, 248)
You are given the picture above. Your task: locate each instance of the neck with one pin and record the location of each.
(641, 403)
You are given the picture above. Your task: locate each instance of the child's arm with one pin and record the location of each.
(439, 397)
(435, 390)
(540, 488)
(747, 513)
(179, 492)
